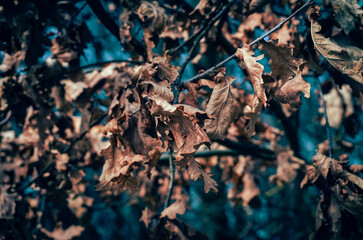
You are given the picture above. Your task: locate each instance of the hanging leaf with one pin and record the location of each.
(195, 172)
(286, 69)
(222, 106)
(347, 59)
(283, 65)
(116, 173)
(291, 91)
(177, 207)
(254, 69)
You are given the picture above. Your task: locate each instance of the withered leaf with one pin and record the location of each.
(286, 170)
(161, 89)
(223, 107)
(195, 172)
(182, 120)
(347, 59)
(152, 145)
(177, 207)
(254, 69)
(116, 172)
(73, 89)
(146, 216)
(290, 92)
(286, 69)
(325, 165)
(283, 65)
(250, 189)
(60, 234)
(251, 112)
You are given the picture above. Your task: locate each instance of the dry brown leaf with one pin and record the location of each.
(250, 189)
(196, 171)
(203, 7)
(246, 29)
(190, 98)
(73, 89)
(177, 207)
(291, 91)
(146, 216)
(286, 69)
(61, 161)
(325, 165)
(116, 172)
(254, 69)
(312, 174)
(347, 59)
(286, 170)
(283, 65)
(60, 234)
(152, 145)
(251, 112)
(160, 89)
(347, 12)
(222, 106)
(334, 109)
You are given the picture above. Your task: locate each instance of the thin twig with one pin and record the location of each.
(76, 14)
(187, 59)
(172, 176)
(204, 26)
(278, 26)
(327, 127)
(104, 17)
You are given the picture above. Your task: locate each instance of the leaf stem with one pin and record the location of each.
(278, 26)
(172, 176)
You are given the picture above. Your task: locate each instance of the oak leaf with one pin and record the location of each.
(286, 170)
(283, 65)
(254, 69)
(286, 69)
(73, 89)
(222, 106)
(116, 172)
(291, 91)
(195, 172)
(177, 207)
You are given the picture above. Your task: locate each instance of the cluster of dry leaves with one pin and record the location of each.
(51, 115)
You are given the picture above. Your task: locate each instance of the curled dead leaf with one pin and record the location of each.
(347, 59)
(223, 107)
(254, 69)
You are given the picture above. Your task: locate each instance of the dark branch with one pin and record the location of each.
(103, 16)
(278, 26)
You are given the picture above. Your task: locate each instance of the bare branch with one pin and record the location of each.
(278, 26)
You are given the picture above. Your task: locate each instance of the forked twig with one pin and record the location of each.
(278, 26)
